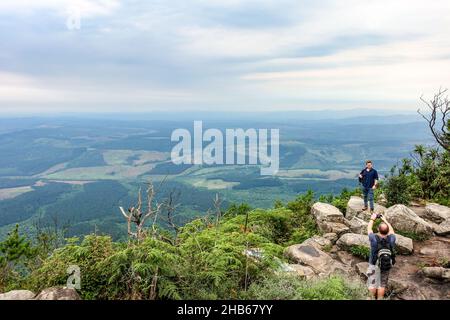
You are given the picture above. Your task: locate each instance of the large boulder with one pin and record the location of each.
(331, 236)
(361, 269)
(333, 227)
(404, 245)
(396, 286)
(442, 229)
(355, 208)
(17, 295)
(438, 273)
(328, 218)
(300, 270)
(326, 212)
(316, 259)
(404, 219)
(58, 293)
(318, 242)
(357, 225)
(347, 241)
(346, 258)
(436, 212)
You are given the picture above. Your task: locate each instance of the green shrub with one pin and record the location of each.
(425, 176)
(303, 222)
(360, 251)
(397, 188)
(333, 288)
(288, 287)
(16, 259)
(88, 256)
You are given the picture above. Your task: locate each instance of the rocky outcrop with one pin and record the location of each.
(404, 245)
(334, 227)
(437, 213)
(318, 242)
(437, 273)
(346, 258)
(361, 269)
(349, 240)
(58, 293)
(421, 271)
(357, 225)
(333, 237)
(396, 287)
(320, 262)
(355, 208)
(300, 270)
(442, 229)
(328, 218)
(404, 219)
(17, 295)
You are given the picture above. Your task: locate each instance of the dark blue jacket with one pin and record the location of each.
(369, 177)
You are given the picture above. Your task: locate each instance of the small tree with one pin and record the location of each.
(15, 251)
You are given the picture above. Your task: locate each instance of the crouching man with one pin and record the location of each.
(382, 255)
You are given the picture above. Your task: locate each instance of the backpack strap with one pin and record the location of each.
(377, 237)
(391, 247)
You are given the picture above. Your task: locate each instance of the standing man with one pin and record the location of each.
(369, 180)
(382, 255)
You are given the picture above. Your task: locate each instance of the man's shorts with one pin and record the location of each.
(377, 278)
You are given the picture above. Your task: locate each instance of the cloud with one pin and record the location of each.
(88, 8)
(224, 55)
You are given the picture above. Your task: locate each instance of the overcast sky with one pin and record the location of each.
(221, 55)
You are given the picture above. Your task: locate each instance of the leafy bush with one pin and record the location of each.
(206, 261)
(397, 187)
(425, 176)
(305, 226)
(89, 256)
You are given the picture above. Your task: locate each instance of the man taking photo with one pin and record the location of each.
(382, 255)
(369, 180)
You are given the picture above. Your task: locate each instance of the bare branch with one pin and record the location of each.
(440, 104)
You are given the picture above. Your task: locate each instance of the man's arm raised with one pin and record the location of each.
(370, 225)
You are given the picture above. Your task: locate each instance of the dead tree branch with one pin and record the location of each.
(137, 216)
(439, 110)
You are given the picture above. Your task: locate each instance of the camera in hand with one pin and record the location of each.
(379, 216)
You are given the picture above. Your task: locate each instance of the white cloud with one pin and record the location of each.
(195, 55)
(88, 8)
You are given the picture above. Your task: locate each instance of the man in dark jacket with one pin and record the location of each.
(369, 180)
